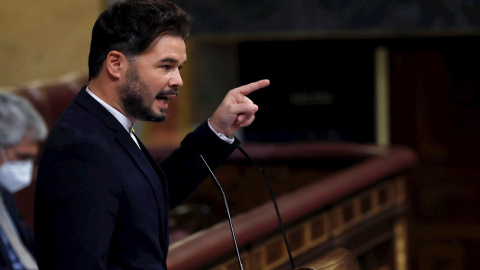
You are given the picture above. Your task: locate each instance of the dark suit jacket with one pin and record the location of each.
(100, 202)
(24, 231)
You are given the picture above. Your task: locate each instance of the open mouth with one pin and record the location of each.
(165, 98)
(167, 95)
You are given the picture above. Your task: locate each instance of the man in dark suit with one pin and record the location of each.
(21, 130)
(102, 201)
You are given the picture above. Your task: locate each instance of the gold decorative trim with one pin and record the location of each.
(313, 232)
(400, 232)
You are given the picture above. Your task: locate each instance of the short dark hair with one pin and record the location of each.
(130, 26)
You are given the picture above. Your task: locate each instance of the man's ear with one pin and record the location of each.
(116, 64)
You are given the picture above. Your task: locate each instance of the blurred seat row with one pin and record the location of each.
(50, 98)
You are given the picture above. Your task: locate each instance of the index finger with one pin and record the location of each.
(249, 88)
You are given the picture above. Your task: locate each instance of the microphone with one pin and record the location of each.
(228, 211)
(272, 195)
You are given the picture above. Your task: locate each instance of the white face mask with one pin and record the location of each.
(15, 175)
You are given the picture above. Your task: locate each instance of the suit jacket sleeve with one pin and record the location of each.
(25, 232)
(184, 168)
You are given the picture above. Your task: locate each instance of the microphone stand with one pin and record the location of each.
(217, 184)
(272, 195)
(228, 211)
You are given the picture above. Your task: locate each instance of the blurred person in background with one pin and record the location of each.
(21, 130)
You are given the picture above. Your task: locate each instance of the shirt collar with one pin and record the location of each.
(124, 121)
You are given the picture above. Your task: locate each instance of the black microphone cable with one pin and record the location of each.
(272, 195)
(228, 211)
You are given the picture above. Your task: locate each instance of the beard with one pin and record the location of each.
(135, 99)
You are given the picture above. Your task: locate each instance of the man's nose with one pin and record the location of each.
(176, 79)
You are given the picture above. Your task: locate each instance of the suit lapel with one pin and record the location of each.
(163, 211)
(151, 171)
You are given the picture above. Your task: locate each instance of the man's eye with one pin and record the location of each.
(23, 156)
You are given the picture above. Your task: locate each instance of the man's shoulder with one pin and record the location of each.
(75, 120)
(78, 132)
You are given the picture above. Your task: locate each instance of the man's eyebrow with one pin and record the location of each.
(171, 60)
